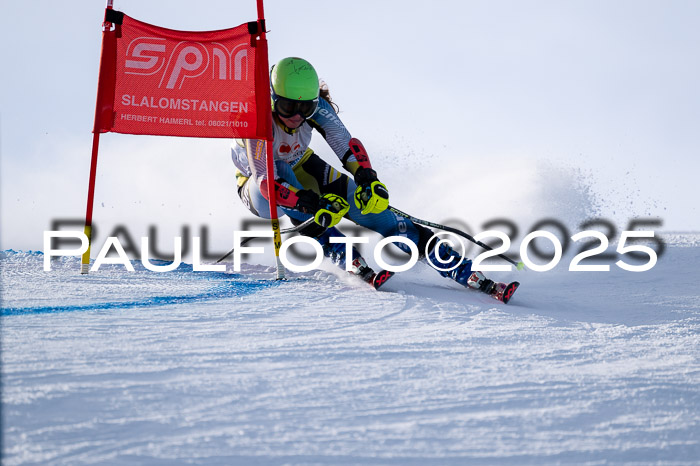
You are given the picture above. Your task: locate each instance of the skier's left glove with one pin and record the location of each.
(371, 196)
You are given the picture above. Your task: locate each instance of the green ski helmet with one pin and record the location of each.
(294, 87)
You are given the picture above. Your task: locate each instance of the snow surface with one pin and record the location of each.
(219, 368)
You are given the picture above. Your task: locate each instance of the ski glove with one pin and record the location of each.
(327, 209)
(371, 196)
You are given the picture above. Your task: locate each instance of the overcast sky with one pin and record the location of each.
(469, 110)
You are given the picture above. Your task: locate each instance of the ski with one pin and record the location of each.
(380, 278)
(364, 272)
(504, 292)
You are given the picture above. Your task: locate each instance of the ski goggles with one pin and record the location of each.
(287, 108)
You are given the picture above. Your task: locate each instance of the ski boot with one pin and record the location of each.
(358, 266)
(501, 291)
(464, 275)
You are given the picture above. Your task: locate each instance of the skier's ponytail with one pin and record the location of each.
(325, 94)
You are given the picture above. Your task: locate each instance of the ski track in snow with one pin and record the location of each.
(214, 368)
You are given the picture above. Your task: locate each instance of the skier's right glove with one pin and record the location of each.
(327, 209)
(371, 196)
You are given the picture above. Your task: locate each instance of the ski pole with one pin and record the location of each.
(293, 229)
(518, 265)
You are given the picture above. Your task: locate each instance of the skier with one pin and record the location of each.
(307, 186)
